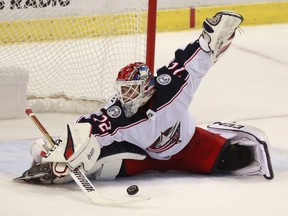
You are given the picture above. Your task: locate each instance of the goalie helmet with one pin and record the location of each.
(135, 86)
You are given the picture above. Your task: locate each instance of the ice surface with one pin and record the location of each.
(248, 85)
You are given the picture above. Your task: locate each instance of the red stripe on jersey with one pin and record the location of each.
(194, 54)
(120, 128)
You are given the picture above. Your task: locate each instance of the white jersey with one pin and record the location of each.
(163, 126)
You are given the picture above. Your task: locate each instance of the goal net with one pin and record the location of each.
(73, 50)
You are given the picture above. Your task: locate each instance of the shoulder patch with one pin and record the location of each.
(114, 111)
(164, 79)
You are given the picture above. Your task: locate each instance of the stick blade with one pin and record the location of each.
(97, 199)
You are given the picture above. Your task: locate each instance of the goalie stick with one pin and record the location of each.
(80, 178)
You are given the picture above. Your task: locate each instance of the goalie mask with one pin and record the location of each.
(135, 86)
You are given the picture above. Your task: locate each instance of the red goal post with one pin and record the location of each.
(151, 33)
(73, 51)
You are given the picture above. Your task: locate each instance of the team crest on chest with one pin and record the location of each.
(166, 140)
(114, 112)
(164, 79)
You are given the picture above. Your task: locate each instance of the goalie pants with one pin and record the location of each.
(201, 156)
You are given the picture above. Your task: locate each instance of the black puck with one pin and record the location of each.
(132, 190)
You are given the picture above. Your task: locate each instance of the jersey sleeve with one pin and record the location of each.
(95, 120)
(100, 121)
(190, 63)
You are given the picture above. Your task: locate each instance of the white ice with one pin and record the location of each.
(248, 85)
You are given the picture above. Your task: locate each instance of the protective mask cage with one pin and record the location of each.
(130, 94)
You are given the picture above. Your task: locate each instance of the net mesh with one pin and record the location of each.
(74, 58)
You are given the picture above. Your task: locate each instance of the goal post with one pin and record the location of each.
(73, 50)
(151, 34)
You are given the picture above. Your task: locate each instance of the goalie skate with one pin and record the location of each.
(219, 31)
(38, 173)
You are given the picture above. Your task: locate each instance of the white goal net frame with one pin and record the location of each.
(72, 51)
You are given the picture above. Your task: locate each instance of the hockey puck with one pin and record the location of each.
(132, 190)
